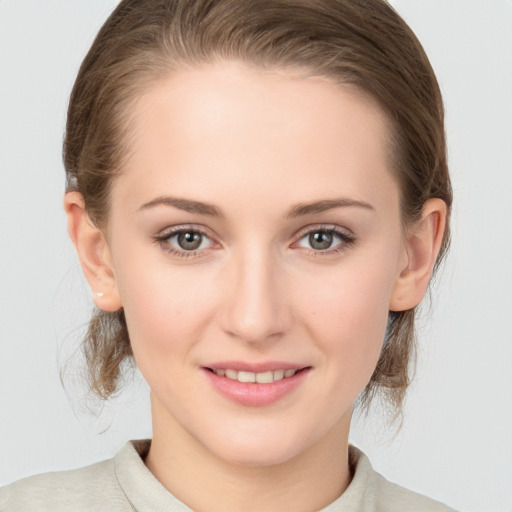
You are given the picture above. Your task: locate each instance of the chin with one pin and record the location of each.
(257, 456)
(257, 449)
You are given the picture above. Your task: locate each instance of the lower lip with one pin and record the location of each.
(253, 394)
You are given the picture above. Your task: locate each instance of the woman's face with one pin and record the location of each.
(255, 235)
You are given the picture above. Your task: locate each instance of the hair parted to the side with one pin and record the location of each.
(363, 43)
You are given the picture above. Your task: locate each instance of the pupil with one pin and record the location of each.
(189, 240)
(320, 240)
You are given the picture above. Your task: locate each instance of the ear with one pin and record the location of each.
(421, 247)
(93, 252)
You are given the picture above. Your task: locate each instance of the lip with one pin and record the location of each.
(254, 394)
(244, 366)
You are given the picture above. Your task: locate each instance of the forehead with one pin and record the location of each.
(241, 128)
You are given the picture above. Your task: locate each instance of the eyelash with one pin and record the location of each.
(163, 241)
(345, 241)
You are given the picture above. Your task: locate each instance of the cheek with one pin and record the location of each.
(166, 309)
(347, 314)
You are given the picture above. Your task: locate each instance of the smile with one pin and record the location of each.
(255, 385)
(261, 377)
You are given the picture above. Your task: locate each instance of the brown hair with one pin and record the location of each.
(363, 43)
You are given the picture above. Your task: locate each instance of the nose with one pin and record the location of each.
(256, 309)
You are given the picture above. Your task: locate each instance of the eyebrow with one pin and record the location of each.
(298, 210)
(327, 204)
(186, 205)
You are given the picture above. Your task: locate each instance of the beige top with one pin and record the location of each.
(124, 484)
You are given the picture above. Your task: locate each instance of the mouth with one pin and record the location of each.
(256, 384)
(265, 377)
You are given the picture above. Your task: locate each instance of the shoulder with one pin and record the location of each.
(387, 496)
(91, 488)
(393, 497)
(369, 491)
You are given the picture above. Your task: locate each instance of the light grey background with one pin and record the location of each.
(456, 441)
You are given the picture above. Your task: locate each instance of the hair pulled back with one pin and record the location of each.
(363, 43)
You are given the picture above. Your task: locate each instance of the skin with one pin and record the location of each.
(254, 145)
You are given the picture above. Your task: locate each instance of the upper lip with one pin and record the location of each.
(260, 367)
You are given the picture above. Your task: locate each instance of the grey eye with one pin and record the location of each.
(325, 240)
(189, 240)
(320, 240)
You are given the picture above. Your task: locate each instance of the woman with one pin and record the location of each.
(258, 195)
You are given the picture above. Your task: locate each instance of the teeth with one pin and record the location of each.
(264, 377)
(246, 377)
(261, 378)
(279, 374)
(231, 374)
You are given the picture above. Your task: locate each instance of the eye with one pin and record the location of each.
(321, 240)
(184, 242)
(327, 240)
(189, 240)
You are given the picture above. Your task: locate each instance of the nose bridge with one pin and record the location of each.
(255, 310)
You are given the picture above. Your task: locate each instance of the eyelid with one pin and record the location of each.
(324, 227)
(168, 231)
(346, 239)
(346, 236)
(163, 236)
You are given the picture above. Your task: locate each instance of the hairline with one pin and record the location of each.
(129, 114)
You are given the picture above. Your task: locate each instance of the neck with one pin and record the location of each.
(204, 481)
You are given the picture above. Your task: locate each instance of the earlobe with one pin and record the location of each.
(93, 253)
(422, 245)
